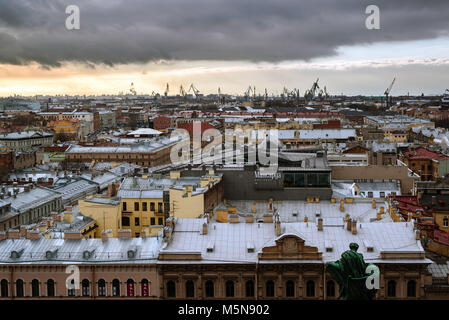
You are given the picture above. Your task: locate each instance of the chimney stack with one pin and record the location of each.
(354, 227)
(249, 218)
(277, 226)
(417, 235)
(349, 224)
(124, 233)
(105, 235)
(204, 228)
(320, 224)
(2, 235)
(342, 205)
(34, 235)
(13, 234)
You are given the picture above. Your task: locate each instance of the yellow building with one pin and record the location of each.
(106, 213)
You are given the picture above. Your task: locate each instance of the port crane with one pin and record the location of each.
(167, 89)
(182, 92)
(387, 94)
(195, 91)
(310, 94)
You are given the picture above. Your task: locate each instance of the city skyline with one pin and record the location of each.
(230, 45)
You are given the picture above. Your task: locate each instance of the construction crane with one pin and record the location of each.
(266, 94)
(167, 89)
(182, 92)
(249, 92)
(132, 90)
(195, 91)
(387, 94)
(310, 94)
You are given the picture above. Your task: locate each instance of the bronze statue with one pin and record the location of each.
(350, 274)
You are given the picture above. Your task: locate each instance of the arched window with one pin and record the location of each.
(269, 288)
(445, 222)
(116, 287)
(190, 289)
(209, 288)
(391, 288)
(130, 288)
(35, 288)
(229, 288)
(249, 288)
(4, 288)
(145, 288)
(19, 288)
(50, 288)
(71, 291)
(290, 288)
(85, 288)
(330, 288)
(101, 288)
(411, 288)
(310, 288)
(171, 289)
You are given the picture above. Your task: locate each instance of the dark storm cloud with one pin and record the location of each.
(125, 31)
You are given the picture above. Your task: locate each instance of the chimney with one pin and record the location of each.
(320, 224)
(23, 231)
(2, 235)
(54, 215)
(27, 188)
(268, 218)
(72, 235)
(34, 235)
(349, 224)
(270, 202)
(254, 208)
(354, 227)
(374, 204)
(124, 233)
(417, 235)
(13, 234)
(204, 231)
(306, 219)
(170, 222)
(143, 234)
(342, 205)
(277, 226)
(105, 235)
(249, 218)
(379, 216)
(409, 216)
(233, 218)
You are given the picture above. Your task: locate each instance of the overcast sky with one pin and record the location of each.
(223, 43)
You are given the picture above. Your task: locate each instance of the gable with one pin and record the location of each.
(290, 247)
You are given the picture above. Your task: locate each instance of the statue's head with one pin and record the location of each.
(353, 246)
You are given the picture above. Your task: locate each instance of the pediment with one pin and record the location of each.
(290, 246)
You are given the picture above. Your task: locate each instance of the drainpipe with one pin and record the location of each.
(256, 291)
(11, 283)
(94, 286)
(324, 282)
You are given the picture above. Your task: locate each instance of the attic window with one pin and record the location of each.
(295, 214)
(369, 246)
(250, 247)
(328, 246)
(210, 247)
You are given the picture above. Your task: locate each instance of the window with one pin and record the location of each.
(125, 221)
(101, 288)
(445, 222)
(269, 288)
(85, 288)
(249, 288)
(136, 206)
(124, 206)
(130, 288)
(290, 288)
(370, 194)
(209, 288)
(35, 288)
(160, 221)
(50, 288)
(116, 287)
(4, 288)
(190, 289)
(411, 288)
(171, 289)
(151, 206)
(382, 194)
(330, 288)
(145, 288)
(144, 206)
(310, 288)
(137, 221)
(229, 288)
(152, 221)
(19, 288)
(159, 207)
(71, 291)
(391, 288)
